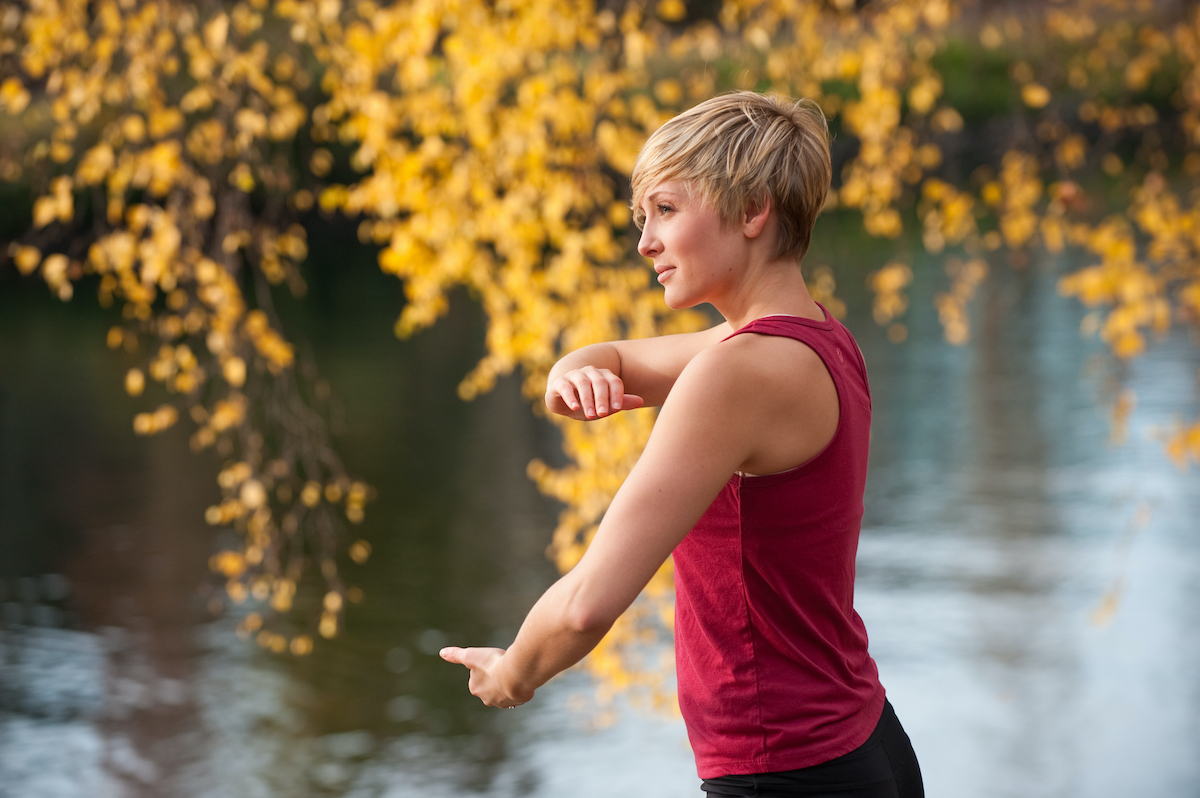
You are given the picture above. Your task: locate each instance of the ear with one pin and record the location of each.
(754, 221)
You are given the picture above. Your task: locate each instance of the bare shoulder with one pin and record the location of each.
(751, 364)
(773, 392)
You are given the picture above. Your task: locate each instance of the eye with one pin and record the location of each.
(664, 209)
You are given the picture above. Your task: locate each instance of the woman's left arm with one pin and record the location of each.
(703, 434)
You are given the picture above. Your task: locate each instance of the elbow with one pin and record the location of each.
(590, 618)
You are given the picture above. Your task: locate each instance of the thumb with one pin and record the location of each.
(470, 657)
(631, 401)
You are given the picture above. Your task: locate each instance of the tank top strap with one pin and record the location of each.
(832, 342)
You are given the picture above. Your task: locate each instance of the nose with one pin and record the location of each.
(648, 244)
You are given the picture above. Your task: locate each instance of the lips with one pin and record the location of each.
(663, 271)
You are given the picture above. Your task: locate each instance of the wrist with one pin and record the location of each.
(511, 683)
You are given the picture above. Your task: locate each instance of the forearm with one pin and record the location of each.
(645, 367)
(601, 356)
(552, 639)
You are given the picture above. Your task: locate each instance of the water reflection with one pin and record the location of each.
(998, 517)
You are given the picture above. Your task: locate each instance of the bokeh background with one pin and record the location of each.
(248, 494)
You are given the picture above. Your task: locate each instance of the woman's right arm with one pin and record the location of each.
(601, 379)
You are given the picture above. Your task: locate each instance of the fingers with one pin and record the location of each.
(470, 657)
(589, 393)
(482, 682)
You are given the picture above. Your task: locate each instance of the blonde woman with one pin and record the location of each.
(752, 479)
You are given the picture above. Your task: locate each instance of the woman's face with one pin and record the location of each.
(696, 255)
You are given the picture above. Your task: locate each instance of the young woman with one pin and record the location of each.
(753, 477)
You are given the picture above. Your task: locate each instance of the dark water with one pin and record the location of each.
(999, 516)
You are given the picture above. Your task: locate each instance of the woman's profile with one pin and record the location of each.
(752, 479)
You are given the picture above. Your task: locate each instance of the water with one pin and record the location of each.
(999, 517)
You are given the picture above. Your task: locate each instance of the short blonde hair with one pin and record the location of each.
(737, 149)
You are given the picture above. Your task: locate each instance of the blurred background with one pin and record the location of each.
(1029, 568)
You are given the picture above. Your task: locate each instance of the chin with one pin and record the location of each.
(675, 301)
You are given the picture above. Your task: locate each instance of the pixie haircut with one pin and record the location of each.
(737, 149)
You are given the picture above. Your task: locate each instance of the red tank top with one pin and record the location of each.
(772, 661)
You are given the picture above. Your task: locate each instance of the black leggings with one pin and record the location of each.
(885, 766)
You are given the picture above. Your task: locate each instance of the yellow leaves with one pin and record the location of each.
(491, 142)
(133, 128)
(1015, 195)
(230, 564)
(952, 305)
(1035, 95)
(321, 162)
(206, 141)
(311, 494)
(947, 215)
(924, 94)
(55, 272)
(233, 369)
(268, 342)
(937, 13)
(245, 19)
(58, 205)
(164, 121)
(823, 289)
(620, 144)
(668, 91)
(228, 413)
(328, 626)
(234, 475)
(143, 137)
(360, 551)
(135, 380)
(1183, 445)
(671, 10)
(253, 495)
(884, 222)
(333, 493)
(26, 258)
(216, 32)
(888, 284)
(14, 97)
(242, 178)
(95, 165)
(1071, 152)
(1136, 293)
(198, 99)
(946, 120)
(282, 593)
(1122, 408)
(152, 423)
(356, 497)
(250, 124)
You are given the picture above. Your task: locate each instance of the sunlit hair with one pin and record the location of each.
(736, 149)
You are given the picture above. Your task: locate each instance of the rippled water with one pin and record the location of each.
(999, 517)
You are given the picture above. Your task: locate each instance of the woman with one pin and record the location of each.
(753, 477)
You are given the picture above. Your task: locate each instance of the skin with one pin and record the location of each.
(754, 403)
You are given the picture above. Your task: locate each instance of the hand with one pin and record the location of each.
(485, 683)
(589, 393)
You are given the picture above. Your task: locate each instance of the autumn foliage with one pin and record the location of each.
(174, 149)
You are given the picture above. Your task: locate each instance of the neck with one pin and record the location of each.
(773, 288)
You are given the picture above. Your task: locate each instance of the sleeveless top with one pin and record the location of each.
(771, 658)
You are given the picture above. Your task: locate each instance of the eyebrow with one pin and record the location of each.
(654, 197)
